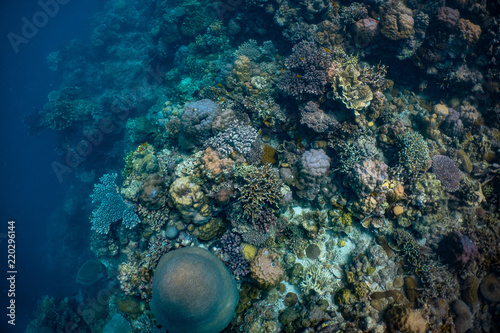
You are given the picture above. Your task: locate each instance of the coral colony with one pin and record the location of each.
(285, 166)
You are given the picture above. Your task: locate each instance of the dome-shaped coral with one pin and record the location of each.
(193, 292)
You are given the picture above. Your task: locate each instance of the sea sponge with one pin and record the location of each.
(193, 292)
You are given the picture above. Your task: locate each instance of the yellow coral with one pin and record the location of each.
(190, 200)
(249, 251)
(355, 93)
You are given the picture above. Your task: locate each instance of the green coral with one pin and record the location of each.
(348, 154)
(413, 154)
(415, 261)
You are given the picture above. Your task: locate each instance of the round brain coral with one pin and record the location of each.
(193, 292)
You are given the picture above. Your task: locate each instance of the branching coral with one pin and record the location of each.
(262, 186)
(237, 137)
(111, 206)
(306, 74)
(413, 153)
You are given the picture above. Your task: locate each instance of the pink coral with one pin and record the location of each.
(214, 164)
(266, 268)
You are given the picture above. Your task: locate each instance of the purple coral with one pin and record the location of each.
(314, 168)
(457, 249)
(233, 257)
(315, 118)
(196, 122)
(307, 74)
(264, 221)
(447, 172)
(453, 125)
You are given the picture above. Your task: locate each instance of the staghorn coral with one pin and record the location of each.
(306, 74)
(190, 200)
(262, 187)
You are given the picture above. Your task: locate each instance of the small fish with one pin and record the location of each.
(267, 123)
(220, 85)
(301, 58)
(261, 102)
(327, 50)
(299, 76)
(221, 99)
(281, 70)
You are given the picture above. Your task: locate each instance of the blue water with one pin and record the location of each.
(31, 194)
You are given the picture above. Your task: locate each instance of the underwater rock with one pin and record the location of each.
(463, 320)
(490, 288)
(193, 292)
(90, 272)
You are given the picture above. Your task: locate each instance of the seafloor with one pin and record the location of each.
(340, 158)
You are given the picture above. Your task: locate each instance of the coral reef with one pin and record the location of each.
(340, 158)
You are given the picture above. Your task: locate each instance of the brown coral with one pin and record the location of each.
(468, 31)
(397, 23)
(266, 268)
(190, 201)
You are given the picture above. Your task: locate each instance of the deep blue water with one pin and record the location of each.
(31, 194)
